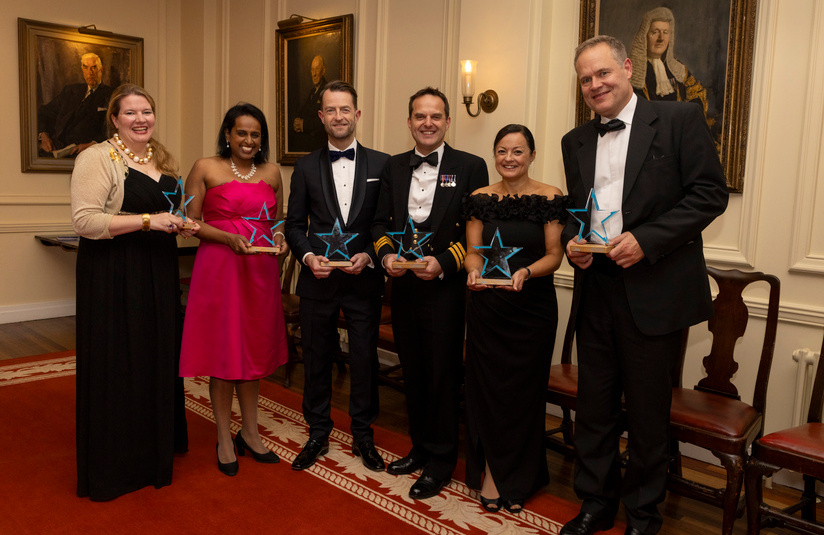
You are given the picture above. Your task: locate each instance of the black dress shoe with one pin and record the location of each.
(426, 487)
(268, 457)
(587, 524)
(313, 449)
(369, 455)
(633, 531)
(230, 469)
(404, 466)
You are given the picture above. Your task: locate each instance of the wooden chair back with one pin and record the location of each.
(728, 324)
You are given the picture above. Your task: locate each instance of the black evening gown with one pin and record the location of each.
(510, 337)
(130, 413)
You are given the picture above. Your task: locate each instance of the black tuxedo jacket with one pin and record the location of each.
(674, 187)
(448, 241)
(70, 119)
(313, 208)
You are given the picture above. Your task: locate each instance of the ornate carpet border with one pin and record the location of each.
(455, 511)
(13, 374)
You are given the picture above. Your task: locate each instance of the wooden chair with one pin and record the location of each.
(712, 415)
(800, 449)
(291, 313)
(562, 388)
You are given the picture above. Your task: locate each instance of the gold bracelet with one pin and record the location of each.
(147, 221)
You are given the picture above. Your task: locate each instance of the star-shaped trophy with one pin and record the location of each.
(410, 246)
(263, 215)
(587, 211)
(336, 249)
(496, 259)
(176, 208)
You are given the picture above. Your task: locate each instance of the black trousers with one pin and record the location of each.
(320, 341)
(615, 358)
(428, 323)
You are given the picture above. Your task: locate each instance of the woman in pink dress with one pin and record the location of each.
(234, 330)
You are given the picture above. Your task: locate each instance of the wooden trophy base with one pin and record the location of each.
(257, 249)
(337, 263)
(409, 264)
(591, 248)
(494, 282)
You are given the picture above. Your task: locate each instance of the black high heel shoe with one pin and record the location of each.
(268, 457)
(493, 505)
(230, 469)
(513, 505)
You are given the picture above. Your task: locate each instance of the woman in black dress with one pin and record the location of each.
(130, 413)
(511, 328)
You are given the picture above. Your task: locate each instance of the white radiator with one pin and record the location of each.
(807, 361)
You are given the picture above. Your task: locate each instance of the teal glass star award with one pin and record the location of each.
(496, 256)
(600, 231)
(410, 246)
(336, 246)
(180, 208)
(261, 242)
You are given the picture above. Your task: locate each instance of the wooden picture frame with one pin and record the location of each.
(51, 78)
(298, 47)
(717, 49)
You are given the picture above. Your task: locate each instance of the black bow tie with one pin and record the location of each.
(611, 126)
(335, 155)
(416, 160)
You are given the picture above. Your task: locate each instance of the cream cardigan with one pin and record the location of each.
(97, 190)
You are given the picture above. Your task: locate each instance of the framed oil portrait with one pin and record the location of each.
(706, 53)
(66, 79)
(309, 55)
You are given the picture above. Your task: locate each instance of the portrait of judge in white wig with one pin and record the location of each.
(656, 73)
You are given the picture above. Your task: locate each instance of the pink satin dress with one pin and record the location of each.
(234, 325)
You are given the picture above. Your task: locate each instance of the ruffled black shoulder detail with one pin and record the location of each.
(533, 208)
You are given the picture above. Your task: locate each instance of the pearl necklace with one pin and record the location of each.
(132, 155)
(237, 173)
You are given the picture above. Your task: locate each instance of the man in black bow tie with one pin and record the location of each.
(427, 184)
(654, 166)
(337, 183)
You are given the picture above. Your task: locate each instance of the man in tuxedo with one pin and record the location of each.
(657, 183)
(334, 192)
(424, 188)
(78, 114)
(308, 133)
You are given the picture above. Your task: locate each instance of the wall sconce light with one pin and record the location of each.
(487, 101)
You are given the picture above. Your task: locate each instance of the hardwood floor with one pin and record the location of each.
(682, 516)
(36, 337)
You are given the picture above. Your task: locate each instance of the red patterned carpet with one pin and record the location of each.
(336, 496)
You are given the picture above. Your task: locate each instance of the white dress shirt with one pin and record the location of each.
(610, 162)
(343, 173)
(422, 188)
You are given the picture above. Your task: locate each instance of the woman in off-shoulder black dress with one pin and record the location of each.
(511, 328)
